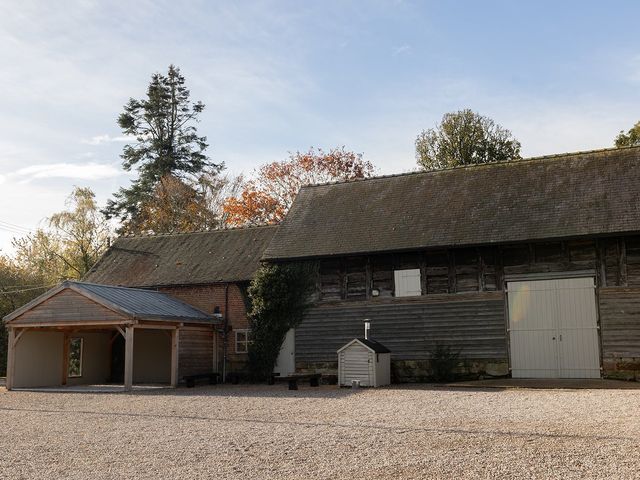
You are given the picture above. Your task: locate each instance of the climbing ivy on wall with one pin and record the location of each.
(280, 294)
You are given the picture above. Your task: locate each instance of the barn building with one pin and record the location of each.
(154, 309)
(529, 268)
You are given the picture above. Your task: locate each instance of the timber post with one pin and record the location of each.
(128, 358)
(11, 353)
(175, 347)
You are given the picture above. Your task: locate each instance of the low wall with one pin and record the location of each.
(151, 356)
(412, 371)
(38, 360)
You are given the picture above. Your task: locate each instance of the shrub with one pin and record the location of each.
(443, 363)
(279, 294)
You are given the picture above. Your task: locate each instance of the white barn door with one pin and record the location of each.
(553, 328)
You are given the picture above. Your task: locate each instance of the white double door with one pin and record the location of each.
(553, 328)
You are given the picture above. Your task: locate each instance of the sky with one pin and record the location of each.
(282, 76)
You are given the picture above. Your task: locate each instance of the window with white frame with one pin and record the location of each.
(407, 282)
(75, 357)
(243, 339)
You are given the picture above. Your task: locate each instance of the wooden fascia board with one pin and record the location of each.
(355, 340)
(69, 324)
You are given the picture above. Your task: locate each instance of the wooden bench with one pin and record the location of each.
(293, 379)
(190, 380)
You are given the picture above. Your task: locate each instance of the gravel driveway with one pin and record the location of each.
(269, 432)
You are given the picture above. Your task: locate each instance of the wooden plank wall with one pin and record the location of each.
(68, 306)
(620, 322)
(410, 329)
(195, 353)
(462, 270)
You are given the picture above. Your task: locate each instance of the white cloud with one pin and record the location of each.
(89, 171)
(106, 138)
(401, 50)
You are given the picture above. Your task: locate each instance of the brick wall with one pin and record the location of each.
(207, 298)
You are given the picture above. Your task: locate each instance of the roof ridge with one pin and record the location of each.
(195, 232)
(78, 282)
(477, 165)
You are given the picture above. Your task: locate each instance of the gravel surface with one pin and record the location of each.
(268, 432)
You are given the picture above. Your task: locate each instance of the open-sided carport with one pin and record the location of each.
(82, 333)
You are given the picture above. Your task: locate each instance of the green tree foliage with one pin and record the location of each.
(630, 138)
(279, 294)
(17, 287)
(464, 138)
(167, 142)
(72, 243)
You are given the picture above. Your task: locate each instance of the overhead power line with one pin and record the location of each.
(26, 289)
(13, 228)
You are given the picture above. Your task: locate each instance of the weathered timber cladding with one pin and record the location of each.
(196, 354)
(632, 250)
(68, 306)
(460, 270)
(410, 329)
(620, 322)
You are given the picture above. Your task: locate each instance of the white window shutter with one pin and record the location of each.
(408, 282)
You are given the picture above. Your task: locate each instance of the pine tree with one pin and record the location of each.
(166, 143)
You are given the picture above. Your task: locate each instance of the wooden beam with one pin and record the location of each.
(128, 358)
(452, 270)
(156, 326)
(113, 338)
(175, 346)
(622, 262)
(65, 358)
(481, 270)
(64, 326)
(119, 329)
(423, 273)
(368, 279)
(343, 279)
(11, 355)
(19, 334)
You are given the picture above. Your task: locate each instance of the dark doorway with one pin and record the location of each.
(117, 360)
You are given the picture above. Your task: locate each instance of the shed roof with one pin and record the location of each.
(569, 195)
(137, 304)
(231, 255)
(372, 345)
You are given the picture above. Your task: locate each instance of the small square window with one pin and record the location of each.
(75, 357)
(243, 339)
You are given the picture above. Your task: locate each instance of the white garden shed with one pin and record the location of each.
(366, 361)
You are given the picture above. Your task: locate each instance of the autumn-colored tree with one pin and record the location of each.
(180, 205)
(267, 198)
(174, 206)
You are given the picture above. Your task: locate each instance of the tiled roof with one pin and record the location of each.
(559, 196)
(231, 255)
